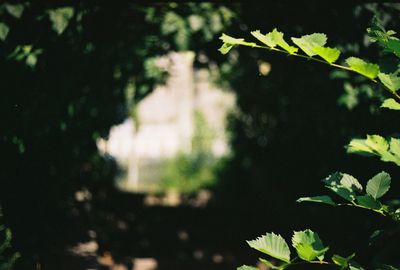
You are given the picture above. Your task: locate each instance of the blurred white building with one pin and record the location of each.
(166, 121)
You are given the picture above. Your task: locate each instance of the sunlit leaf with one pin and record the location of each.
(273, 245)
(15, 10)
(343, 185)
(229, 42)
(376, 145)
(266, 39)
(60, 18)
(235, 41)
(308, 245)
(270, 264)
(330, 55)
(225, 48)
(4, 29)
(246, 267)
(319, 199)
(368, 70)
(391, 81)
(343, 262)
(277, 38)
(390, 103)
(378, 185)
(307, 43)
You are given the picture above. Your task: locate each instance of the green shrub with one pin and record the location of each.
(309, 247)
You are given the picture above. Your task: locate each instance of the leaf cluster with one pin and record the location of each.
(309, 250)
(349, 188)
(314, 48)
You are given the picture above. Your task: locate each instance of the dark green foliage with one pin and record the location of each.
(65, 74)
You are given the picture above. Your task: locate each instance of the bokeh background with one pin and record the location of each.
(129, 142)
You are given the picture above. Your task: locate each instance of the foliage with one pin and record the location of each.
(387, 150)
(350, 189)
(307, 244)
(69, 70)
(6, 260)
(190, 172)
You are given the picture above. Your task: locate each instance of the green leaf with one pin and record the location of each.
(273, 245)
(394, 146)
(376, 235)
(60, 18)
(369, 202)
(225, 48)
(358, 65)
(246, 267)
(391, 81)
(308, 245)
(15, 10)
(266, 39)
(269, 264)
(377, 33)
(378, 185)
(390, 103)
(343, 185)
(376, 145)
(277, 38)
(330, 55)
(355, 266)
(343, 262)
(4, 29)
(307, 43)
(393, 45)
(229, 42)
(235, 41)
(319, 199)
(386, 267)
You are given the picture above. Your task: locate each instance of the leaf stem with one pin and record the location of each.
(353, 204)
(395, 95)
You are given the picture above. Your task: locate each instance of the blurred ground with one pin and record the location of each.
(146, 232)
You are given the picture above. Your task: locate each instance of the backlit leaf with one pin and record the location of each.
(246, 267)
(343, 262)
(229, 42)
(320, 199)
(391, 81)
(235, 41)
(60, 18)
(15, 10)
(277, 38)
(4, 29)
(378, 185)
(390, 103)
(266, 39)
(358, 65)
(307, 43)
(330, 55)
(343, 185)
(376, 145)
(270, 264)
(308, 245)
(225, 48)
(273, 245)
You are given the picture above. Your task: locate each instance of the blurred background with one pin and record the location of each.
(129, 142)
